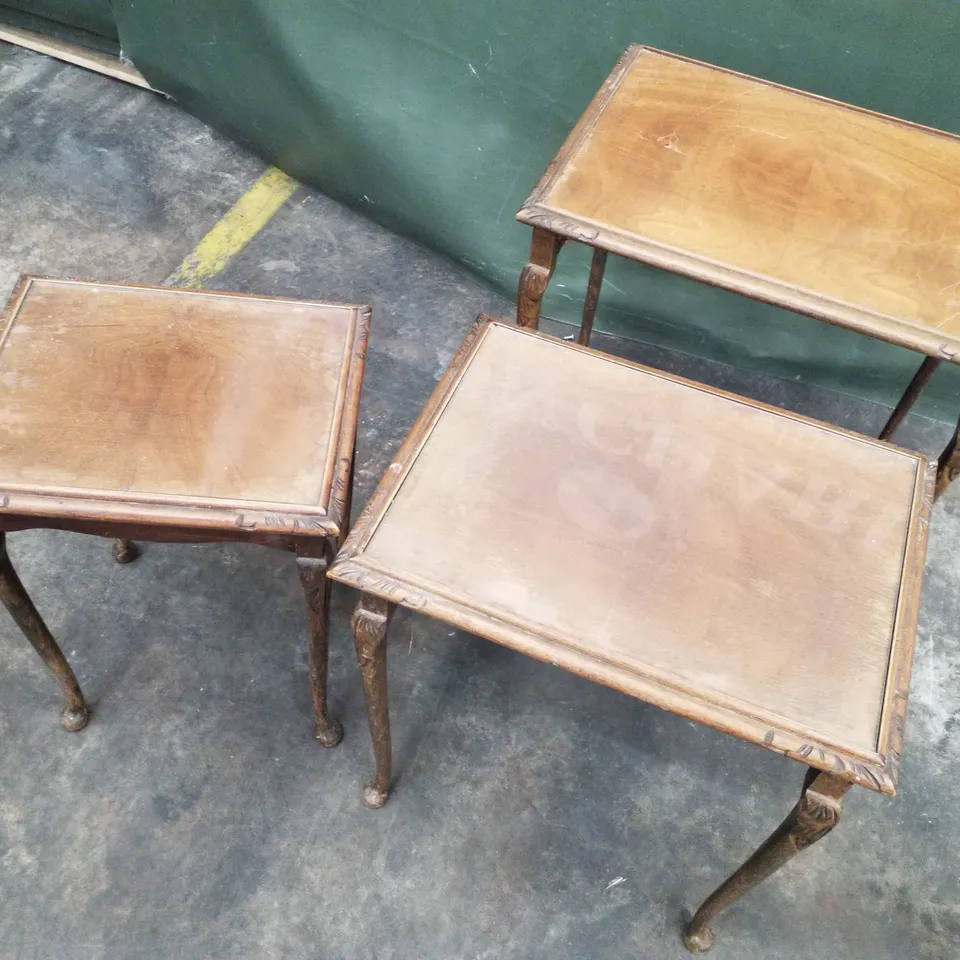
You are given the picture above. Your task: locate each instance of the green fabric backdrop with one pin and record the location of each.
(87, 22)
(436, 118)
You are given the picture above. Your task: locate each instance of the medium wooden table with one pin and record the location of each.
(745, 567)
(162, 414)
(835, 212)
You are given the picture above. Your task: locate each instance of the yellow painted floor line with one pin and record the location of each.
(235, 229)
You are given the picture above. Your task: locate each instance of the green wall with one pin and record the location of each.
(436, 118)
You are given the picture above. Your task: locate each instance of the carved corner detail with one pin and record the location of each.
(565, 226)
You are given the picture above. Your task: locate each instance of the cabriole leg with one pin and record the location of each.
(948, 466)
(125, 551)
(76, 714)
(597, 265)
(369, 625)
(535, 276)
(814, 816)
(920, 379)
(316, 587)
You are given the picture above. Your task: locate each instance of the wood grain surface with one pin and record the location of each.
(136, 392)
(74, 53)
(828, 209)
(745, 566)
(169, 415)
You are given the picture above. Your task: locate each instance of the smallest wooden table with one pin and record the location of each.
(162, 414)
(825, 209)
(748, 568)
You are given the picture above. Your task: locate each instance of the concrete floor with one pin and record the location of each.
(196, 818)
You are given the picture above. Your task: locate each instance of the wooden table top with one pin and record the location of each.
(743, 566)
(155, 404)
(814, 205)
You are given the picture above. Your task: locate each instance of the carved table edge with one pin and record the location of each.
(874, 771)
(901, 331)
(37, 511)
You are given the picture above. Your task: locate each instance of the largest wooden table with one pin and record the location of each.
(845, 215)
(748, 568)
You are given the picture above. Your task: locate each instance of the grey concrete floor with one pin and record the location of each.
(196, 818)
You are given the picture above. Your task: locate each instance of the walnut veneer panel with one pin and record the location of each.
(818, 206)
(132, 391)
(734, 552)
